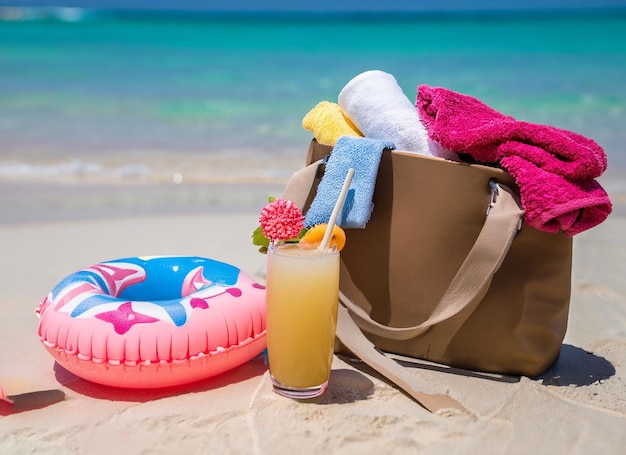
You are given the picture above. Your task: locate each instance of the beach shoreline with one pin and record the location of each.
(227, 190)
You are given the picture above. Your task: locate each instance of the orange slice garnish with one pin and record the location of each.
(313, 237)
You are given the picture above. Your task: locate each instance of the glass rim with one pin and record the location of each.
(278, 246)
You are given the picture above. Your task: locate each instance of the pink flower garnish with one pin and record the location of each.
(281, 219)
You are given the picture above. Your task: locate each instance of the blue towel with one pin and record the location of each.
(363, 155)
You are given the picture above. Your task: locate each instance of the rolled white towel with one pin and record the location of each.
(378, 107)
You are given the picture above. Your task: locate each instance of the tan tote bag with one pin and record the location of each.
(446, 271)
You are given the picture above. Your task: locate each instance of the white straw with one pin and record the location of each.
(338, 206)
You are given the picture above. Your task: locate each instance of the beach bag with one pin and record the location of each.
(446, 271)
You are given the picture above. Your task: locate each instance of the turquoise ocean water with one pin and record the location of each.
(113, 98)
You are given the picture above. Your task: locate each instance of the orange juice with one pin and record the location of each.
(302, 296)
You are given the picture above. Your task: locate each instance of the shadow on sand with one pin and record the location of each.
(577, 367)
(255, 367)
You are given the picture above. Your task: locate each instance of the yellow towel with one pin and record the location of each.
(328, 122)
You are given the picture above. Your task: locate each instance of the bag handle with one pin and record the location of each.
(471, 283)
(300, 184)
(466, 291)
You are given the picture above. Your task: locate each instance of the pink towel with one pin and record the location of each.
(552, 202)
(465, 124)
(554, 168)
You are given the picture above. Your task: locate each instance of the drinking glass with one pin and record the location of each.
(302, 296)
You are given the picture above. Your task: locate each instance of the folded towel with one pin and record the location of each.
(552, 202)
(554, 168)
(465, 124)
(328, 122)
(376, 104)
(363, 155)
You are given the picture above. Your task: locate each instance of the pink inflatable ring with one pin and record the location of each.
(153, 322)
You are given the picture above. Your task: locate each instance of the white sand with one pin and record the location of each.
(578, 406)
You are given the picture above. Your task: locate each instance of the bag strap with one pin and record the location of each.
(465, 292)
(300, 184)
(471, 283)
(353, 339)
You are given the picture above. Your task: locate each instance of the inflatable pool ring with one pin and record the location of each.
(154, 322)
